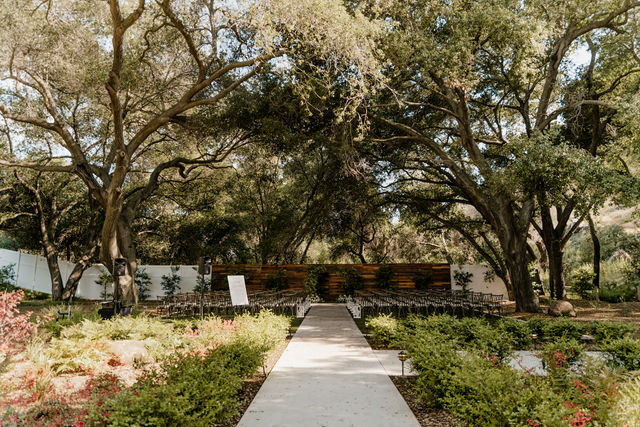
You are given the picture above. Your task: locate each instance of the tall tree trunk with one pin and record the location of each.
(556, 273)
(78, 270)
(517, 262)
(54, 271)
(596, 256)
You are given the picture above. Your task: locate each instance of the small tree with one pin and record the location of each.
(352, 280)
(423, 279)
(143, 282)
(171, 283)
(207, 283)
(463, 279)
(105, 280)
(277, 281)
(384, 275)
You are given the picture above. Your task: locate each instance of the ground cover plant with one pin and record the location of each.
(134, 369)
(461, 367)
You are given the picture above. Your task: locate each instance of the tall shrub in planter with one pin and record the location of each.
(143, 282)
(352, 280)
(384, 275)
(171, 283)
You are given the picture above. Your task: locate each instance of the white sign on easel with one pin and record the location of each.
(238, 290)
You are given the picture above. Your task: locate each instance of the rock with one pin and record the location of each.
(562, 308)
(128, 350)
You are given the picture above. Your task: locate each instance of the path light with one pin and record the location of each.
(534, 337)
(403, 357)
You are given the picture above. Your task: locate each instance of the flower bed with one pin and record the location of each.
(479, 389)
(155, 372)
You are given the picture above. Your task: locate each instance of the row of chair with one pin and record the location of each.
(401, 303)
(219, 302)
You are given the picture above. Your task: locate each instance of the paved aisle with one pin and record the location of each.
(328, 376)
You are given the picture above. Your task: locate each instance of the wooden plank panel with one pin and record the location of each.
(256, 275)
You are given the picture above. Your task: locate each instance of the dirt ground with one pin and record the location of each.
(588, 310)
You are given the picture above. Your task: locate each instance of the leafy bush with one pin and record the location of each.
(171, 283)
(479, 390)
(384, 274)
(277, 281)
(423, 279)
(564, 328)
(481, 394)
(624, 353)
(519, 332)
(463, 279)
(15, 328)
(189, 390)
(582, 281)
(352, 280)
(611, 292)
(265, 330)
(626, 410)
(316, 278)
(607, 331)
(143, 282)
(384, 328)
(7, 278)
(561, 354)
(205, 284)
(55, 326)
(433, 357)
(106, 281)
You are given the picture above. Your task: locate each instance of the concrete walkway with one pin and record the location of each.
(328, 376)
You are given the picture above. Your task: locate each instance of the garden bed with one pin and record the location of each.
(461, 369)
(84, 370)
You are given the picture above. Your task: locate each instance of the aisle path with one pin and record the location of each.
(328, 376)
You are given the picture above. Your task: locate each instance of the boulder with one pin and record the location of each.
(128, 350)
(562, 308)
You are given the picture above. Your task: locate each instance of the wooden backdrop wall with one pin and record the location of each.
(256, 275)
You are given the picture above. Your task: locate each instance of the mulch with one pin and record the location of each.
(426, 415)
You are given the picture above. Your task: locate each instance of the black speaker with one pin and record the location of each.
(204, 267)
(119, 267)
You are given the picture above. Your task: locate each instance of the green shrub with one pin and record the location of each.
(55, 326)
(607, 331)
(538, 325)
(315, 279)
(582, 281)
(277, 281)
(105, 280)
(423, 279)
(433, 357)
(626, 410)
(565, 328)
(352, 280)
(623, 353)
(480, 394)
(611, 292)
(519, 332)
(463, 279)
(189, 390)
(477, 333)
(264, 330)
(384, 329)
(171, 283)
(561, 354)
(384, 275)
(143, 282)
